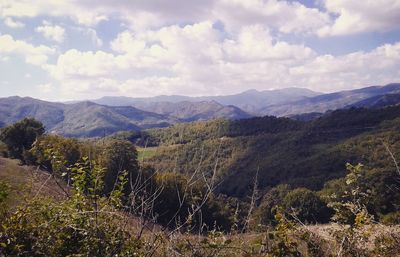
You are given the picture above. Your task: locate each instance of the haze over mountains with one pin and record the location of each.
(333, 101)
(111, 114)
(80, 119)
(282, 102)
(250, 101)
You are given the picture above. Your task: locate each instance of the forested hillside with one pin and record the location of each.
(281, 150)
(193, 111)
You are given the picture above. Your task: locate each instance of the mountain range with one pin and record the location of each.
(281, 102)
(89, 119)
(332, 101)
(80, 119)
(111, 114)
(251, 101)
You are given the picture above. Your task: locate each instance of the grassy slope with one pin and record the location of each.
(27, 181)
(146, 153)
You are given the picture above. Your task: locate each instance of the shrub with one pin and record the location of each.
(306, 206)
(274, 197)
(20, 136)
(392, 218)
(86, 224)
(117, 156)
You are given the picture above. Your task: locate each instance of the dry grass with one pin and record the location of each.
(27, 181)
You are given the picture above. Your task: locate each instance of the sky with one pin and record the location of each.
(85, 49)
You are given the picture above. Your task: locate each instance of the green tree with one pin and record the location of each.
(306, 206)
(273, 198)
(117, 156)
(20, 136)
(56, 153)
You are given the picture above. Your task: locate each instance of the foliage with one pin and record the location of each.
(298, 204)
(56, 153)
(20, 136)
(177, 189)
(3, 149)
(391, 218)
(90, 223)
(306, 206)
(85, 224)
(350, 210)
(284, 245)
(266, 211)
(117, 156)
(301, 154)
(187, 203)
(4, 193)
(146, 153)
(350, 205)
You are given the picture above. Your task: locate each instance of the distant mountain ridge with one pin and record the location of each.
(89, 119)
(250, 101)
(194, 111)
(282, 102)
(80, 119)
(112, 114)
(379, 101)
(332, 101)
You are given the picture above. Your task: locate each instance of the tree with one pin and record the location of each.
(20, 136)
(273, 198)
(56, 153)
(117, 156)
(306, 206)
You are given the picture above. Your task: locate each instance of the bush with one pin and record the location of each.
(20, 136)
(265, 214)
(4, 191)
(3, 150)
(392, 218)
(306, 206)
(86, 224)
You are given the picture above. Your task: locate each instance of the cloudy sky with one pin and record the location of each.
(84, 49)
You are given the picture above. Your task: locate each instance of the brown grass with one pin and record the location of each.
(28, 181)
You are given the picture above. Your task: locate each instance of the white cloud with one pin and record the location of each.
(88, 15)
(52, 32)
(74, 63)
(143, 14)
(197, 60)
(255, 43)
(226, 46)
(331, 73)
(93, 36)
(287, 17)
(90, 12)
(361, 16)
(340, 17)
(127, 43)
(36, 55)
(12, 23)
(45, 88)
